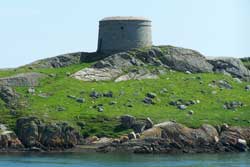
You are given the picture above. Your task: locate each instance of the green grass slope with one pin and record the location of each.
(129, 96)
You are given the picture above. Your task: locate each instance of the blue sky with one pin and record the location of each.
(31, 30)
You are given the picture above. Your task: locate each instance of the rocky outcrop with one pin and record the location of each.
(105, 74)
(9, 96)
(8, 139)
(121, 66)
(35, 133)
(235, 138)
(171, 137)
(24, 79)
(176, 58)
(133, 64)
(97, 74)
(182, 59)
(66, 60)
(232, 66)
(58, 61)
(117, 66)
(177, 137)
(179, 59)
(166, 137)
(138, 75)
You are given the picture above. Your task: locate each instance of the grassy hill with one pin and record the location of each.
(53, 102)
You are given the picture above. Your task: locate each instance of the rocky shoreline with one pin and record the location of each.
(33, 135)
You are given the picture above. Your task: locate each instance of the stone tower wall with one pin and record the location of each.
(120, 35)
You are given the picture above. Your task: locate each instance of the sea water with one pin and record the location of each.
(123, 160)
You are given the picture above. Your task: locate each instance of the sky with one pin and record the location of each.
(32, 30)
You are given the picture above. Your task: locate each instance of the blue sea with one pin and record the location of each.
(123, 160)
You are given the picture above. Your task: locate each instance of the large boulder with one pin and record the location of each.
(232, 137)
(127, 121)
(8, 139)
(187, 137)
(35, 133)
(182, 59)
(138, 125)
(29, 131)
(9, 96)
(59, 135)
(23, 79)
(231, 66)
(155, 132)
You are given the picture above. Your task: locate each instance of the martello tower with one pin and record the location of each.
(123, 33)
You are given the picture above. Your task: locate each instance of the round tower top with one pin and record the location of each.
(124, 18)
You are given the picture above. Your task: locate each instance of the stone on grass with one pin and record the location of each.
(31, 90)
(163, 90)
(60, 108)
(151, 95)
(71, 96)
(130, 105)
(247, 87)
(52, 75)
(182, 107)
(127, 121)
(100, 109)
(95, 94)
(108, 94)
(112, 103)
(237, 80)
(148, 100)
(190, 112)
(224, 84)
(214, 92)
(80, 100)
(232, 105)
